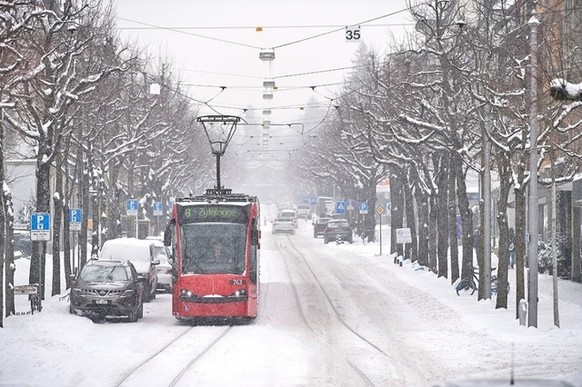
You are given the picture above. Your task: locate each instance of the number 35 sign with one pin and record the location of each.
(353, 34)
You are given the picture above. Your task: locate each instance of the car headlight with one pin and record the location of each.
(129, 292)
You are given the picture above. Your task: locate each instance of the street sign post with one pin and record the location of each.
(131, 209)
(158, 211)
(380, 211)
(40, 226)
(403, 236)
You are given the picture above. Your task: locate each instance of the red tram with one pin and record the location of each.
(215, 243)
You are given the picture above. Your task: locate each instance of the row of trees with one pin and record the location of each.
(79, 100)
(452, 102)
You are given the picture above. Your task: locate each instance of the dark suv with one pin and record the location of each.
(338, 230)
(319, 226)
(107, 288)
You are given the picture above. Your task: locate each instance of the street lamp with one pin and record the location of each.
(219, 131)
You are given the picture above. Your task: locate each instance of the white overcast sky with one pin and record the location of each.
(228, 53)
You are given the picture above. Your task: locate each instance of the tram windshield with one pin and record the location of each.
(212, 248)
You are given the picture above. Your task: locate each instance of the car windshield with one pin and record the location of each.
(104, 273)
(213, 248)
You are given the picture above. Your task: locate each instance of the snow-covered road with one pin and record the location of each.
(330, 315)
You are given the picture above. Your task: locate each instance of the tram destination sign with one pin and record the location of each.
(212, 213)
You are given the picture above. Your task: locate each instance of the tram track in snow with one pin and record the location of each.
(175, 350)
(396, 341)
(352, 365)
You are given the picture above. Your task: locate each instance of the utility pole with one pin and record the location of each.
(532, 294)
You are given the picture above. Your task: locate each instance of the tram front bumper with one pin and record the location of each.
(213, 298)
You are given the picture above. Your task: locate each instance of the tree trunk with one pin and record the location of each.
(66, 243)
(38, 257)
(466, 218)
(370, 218)
(520, 247)
(453, 243)
(396, 212)
(442, 217)
(57, 221)
(505, 182)
(432, 233)
(85, 203)
(410, 219)
(423, 229)
(576, 274)
(9, 254)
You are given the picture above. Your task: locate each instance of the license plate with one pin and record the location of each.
(101, 302)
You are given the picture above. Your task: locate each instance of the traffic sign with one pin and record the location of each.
(132, 207)
(313, 200)
(353, 34)
(363, 208)
(340, 207)
(75, 219)
(389, 206)
(350, 206)
(403, 235)
(40, 226)
(158, 208)
(379, 210)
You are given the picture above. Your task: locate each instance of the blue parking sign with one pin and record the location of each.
(132, 207)
(158, 208)
(75, 219)
(363, 208)
(40, 226)
(75, 215)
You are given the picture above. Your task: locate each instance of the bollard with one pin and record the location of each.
(522, 312)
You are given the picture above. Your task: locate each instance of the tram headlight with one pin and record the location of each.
(239, 293)
(185, 293)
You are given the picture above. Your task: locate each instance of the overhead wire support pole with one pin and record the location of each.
(532, 294)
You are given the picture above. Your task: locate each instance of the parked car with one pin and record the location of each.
(319, 226)
(283, 225)
(107, 288)
(165, 278)
(338, 230)
(142, 253)
(161, 249)
(304, 211)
